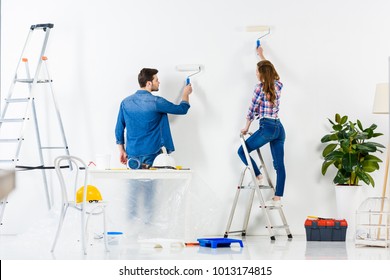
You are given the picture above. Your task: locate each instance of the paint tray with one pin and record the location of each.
(218, 242)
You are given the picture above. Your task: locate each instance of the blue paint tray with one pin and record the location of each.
(218, 242)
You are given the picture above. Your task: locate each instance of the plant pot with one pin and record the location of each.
(348, 199)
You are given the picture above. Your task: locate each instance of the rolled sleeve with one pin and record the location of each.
(164, 106)
(120, 127)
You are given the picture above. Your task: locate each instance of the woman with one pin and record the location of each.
(265, 106)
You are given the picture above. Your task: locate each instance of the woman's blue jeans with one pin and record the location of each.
(270, 131)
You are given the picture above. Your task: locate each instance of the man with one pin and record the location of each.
(145, 118)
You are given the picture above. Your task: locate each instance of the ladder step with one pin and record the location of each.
(14, 140)
(15, 100)
(279, 227)
(251, 187)
(48, 148)
(30, 81)
(264, 187)
(272, 207)
(7, 160)
(12, 120)
(42, 26)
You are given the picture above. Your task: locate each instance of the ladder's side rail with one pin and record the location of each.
(262, 202)
(248, 158)
(32, 88)
(248, 206)
(232, 211)
(269, 181)
(46, 69)
(3, 203)
(15, 77)
(25, 117)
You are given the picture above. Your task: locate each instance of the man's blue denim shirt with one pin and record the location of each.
(144, 117)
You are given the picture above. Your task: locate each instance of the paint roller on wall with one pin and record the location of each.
(263, 30)
(194, 68)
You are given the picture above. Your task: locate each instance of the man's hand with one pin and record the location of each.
(122, 154)
(186, 92)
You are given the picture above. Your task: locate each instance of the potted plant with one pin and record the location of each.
(351, 151)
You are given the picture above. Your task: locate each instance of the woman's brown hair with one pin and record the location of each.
(268, 75)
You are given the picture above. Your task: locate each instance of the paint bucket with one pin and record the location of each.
(114, 238)
(103, 161)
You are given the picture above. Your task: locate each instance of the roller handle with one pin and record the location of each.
(258, 43)
(188, 81)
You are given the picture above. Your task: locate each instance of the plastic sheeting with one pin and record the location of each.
(161, 208)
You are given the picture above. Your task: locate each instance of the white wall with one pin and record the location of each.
(329, 54)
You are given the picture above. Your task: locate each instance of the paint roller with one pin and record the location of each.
(195, 68)
(261, 29)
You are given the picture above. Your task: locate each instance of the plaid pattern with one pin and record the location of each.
(260, 107)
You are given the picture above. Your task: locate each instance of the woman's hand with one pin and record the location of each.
(244, 131)
(260, 53)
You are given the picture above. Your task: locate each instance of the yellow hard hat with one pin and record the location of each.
(93, 194)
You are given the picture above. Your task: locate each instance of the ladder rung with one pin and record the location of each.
(243, 187)
(272, 207)
(236, 231)
(264, 187)
(15, 100)
(251, 187)
(10, 140)
(7, 160)
(12, 120)
(279, 227)
(30, 81)
(47, 148)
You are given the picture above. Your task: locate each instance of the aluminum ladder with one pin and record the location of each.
(253, 187)
(23, 90)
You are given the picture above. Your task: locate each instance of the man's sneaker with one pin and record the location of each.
(273, 203)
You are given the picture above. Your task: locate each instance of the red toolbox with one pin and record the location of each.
(325, 229)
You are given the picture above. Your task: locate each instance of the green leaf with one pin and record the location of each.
(337, 127)
(359, 125)
(328, 149)
(349, 161)
(337, 118)
(343, 120)
(335, 155)
(366, 178)
(373, 126)
(331, 121)
(376, 144)
(329, 137)
(341, 177)
(325, 166)
(365, 147)
(352, 125)
(362, 136)
(377, 134)
(370, 166)
(371, 158)
(371, 180)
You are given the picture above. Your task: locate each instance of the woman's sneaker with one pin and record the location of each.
(273, 203)
(260, 181)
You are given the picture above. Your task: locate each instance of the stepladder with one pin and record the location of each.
(273, 216)
(30, 117)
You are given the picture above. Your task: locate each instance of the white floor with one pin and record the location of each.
(32, 246)
(282, 256)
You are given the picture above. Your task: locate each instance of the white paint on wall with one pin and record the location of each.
(329, 54)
